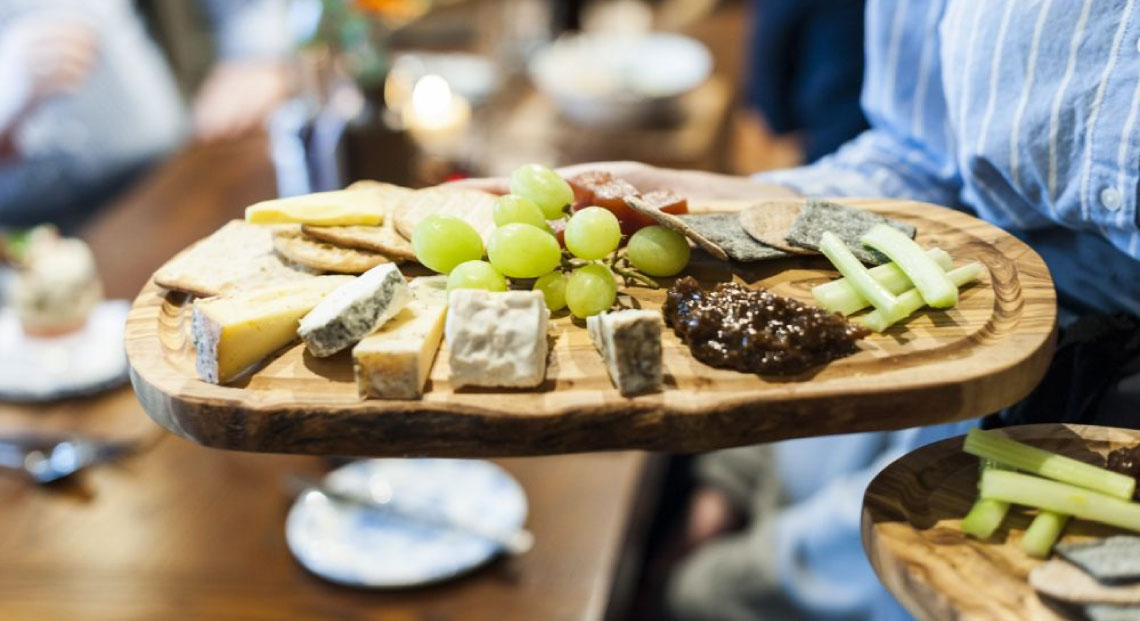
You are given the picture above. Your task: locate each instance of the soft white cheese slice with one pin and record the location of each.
(394, 362)
(497, 338)
(353, 311)
(630, 344)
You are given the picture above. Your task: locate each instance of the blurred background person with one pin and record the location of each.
(89, 97)
(805, 71)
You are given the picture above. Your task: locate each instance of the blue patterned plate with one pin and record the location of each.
(359, 547)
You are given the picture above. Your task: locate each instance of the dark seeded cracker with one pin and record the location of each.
(724, 230)
(849, 223)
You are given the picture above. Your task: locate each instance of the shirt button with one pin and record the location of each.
(1111, 199)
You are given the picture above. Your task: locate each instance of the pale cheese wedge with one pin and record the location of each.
(338, 208)
(231, 333)
(394, 362)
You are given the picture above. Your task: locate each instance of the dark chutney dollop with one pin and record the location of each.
(1126, 461)
(755, 330)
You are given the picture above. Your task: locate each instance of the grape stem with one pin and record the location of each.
(618, 263)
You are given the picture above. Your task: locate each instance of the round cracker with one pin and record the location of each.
(770, 221)
(383, 239)
(474, 207)
(292, 244)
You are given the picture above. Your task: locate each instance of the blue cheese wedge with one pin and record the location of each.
(497, 338)
(630, 344)
(353, 311)
(394, 362)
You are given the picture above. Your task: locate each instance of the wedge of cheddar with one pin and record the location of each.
(339, 208)
(394, 362)
(231, 333)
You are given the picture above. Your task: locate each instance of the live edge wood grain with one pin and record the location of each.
(912, 515)
(985, 354)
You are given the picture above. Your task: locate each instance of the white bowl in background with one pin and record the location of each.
(605, 80)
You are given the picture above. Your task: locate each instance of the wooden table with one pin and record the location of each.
(183, 531)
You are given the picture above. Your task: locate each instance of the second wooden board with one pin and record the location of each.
(985, 354)
(912, 533)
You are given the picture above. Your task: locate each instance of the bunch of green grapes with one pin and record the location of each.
(524, 246)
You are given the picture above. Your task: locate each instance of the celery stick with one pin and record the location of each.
(984, 517)
(841, 257)
(911, 301)
(990, 445)
(1042, 533)
(1023, 489)
(928, 278)
(838, 296)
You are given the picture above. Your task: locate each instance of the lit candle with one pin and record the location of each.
(436, 116)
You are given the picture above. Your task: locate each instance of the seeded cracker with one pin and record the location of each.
(849, 223)
(770, 221)
(668, 220)
(724, 230)
(295, 246)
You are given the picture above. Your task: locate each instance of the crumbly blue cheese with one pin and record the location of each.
(354, 310)
(630, 344)
(497, 338)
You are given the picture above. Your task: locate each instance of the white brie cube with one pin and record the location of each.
(630, 344)
(497, 338)
(355, 310)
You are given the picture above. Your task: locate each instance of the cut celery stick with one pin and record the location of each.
(860, 278)
(984, 517)
(1023, 489)
(994, 446)
(838, 296)
(1042, 533)
(928, 278)
(911, 301)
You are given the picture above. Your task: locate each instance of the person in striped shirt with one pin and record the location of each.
(1023, 112)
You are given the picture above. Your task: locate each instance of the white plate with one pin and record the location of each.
(85, 362)
(358, 547)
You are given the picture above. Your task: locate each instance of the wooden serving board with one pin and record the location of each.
(912, 514)
(985, 354)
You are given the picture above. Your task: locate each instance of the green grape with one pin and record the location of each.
(514, 208)
(591, 290)
(553, 288)
(523, 251)
(592, 233)
(476, 275)
(658, 251)
(442, 242)
(544, 187)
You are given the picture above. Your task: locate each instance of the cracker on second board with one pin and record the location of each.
(724, 230)
(770, 221)
(670, 221)
(292, 244)
(1065, 581)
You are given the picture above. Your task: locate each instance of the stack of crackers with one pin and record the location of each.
(241, 255)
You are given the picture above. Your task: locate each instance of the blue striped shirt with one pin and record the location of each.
(1021, 111)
